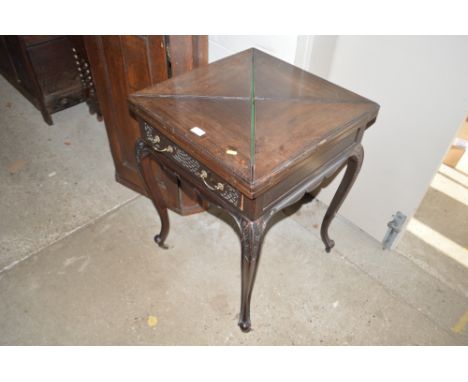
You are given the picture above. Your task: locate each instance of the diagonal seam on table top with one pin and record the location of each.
(185, 84)
(186, 91)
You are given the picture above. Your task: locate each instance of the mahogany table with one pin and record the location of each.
(251, 134)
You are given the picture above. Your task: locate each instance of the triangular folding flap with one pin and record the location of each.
(277, 79)
(226, 78)
(285, 130)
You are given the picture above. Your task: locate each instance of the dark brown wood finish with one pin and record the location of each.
(43, 69)
(308, 112)
(125, 64)
(273, 133)
(80, 57)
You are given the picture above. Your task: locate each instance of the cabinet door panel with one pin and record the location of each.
(122, 65)
(22, 73)
(5, 64)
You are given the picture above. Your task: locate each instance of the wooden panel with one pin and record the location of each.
(157, 63)
(98, 64)
(113, 57)
(112, 103)
(122, 65)
(43, 69)
(56, 73)
(200, 50)
(20, 62)
(6, 66)
(181, 53)
(135, 58)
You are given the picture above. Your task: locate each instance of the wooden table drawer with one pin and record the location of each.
(162, 145)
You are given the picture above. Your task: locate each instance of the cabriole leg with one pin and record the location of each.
(352, 169)
(252, 233)
(152, 188)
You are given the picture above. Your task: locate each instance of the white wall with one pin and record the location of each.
(315, 54)
(283, 47)
(421, 84)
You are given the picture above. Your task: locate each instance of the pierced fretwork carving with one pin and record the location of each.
(226, 191)
(186, 161)
(84, 71)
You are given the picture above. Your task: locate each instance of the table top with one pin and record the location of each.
(252, 115)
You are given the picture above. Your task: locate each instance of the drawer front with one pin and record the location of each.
(160, 144)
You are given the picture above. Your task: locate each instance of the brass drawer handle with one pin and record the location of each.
(155, 140)
(203, 175)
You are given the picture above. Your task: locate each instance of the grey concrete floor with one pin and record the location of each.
(53, 178)
(437, 236)
(80, 266)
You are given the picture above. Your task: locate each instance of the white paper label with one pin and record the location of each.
(197, 131)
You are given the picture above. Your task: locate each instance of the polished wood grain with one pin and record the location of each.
(125, 64)
(273, 134)
(226, 78)
(295, 113)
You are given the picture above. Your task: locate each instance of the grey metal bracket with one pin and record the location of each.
(394, 228)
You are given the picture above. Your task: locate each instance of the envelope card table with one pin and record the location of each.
(251, 134)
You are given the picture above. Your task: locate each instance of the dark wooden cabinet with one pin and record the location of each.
(44, 70)
(121, 65)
